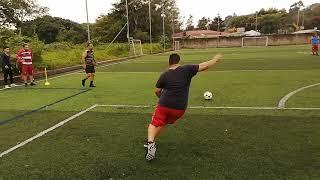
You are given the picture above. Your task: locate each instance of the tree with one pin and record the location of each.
(203, 23)
(15, 12)
(217, 24)
(51, 29)
(189, 25)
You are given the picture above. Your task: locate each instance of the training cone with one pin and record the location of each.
(47, 83)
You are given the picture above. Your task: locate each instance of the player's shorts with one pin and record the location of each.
(163, 116)
(27, 69)
(315, 48)
(90, 69)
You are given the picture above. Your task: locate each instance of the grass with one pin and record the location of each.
(106, 143)
(64, 55)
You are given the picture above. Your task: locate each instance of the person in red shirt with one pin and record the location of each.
(24, 58)
(172, 89)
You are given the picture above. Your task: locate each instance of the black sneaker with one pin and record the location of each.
(32, 84)
(25, 84)
(83, 83)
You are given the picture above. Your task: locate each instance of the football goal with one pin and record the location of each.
(255, 41)
(177, 46)
(135, 47)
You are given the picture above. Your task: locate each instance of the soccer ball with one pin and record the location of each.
(208, 95)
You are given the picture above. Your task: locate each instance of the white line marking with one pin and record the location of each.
(282, 102)
(46, 131)
(207, 107)
(128, 106)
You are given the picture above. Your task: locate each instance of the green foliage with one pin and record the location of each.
(52, 29)
(15, 12)
(58, 55)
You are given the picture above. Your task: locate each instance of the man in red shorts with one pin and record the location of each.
(315, 44)
(172, 89)
(24, 57)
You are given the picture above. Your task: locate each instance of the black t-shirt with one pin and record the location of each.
(175, 86)
(5, 60)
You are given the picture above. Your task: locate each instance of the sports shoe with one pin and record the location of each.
(25, 84)
(32, 84)
(93, 86)
(150, 151)
(13, 85)
(7, 87)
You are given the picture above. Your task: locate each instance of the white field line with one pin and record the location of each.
(206, 107)
(46, 131)
(282, 102)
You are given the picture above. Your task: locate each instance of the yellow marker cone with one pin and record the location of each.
(47, 82)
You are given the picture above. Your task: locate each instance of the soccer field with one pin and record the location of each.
(264, 121)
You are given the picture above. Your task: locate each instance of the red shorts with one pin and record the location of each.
(163, 116)
(27, 69)
(315, 48)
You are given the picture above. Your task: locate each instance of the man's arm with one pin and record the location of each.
(206, 65)
(84, 59)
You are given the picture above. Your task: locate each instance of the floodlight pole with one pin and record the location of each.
(88, 24)
(256, 21)
(128, 25)
(150, 25)
(298, 18)
(218, 22)
(163, 27)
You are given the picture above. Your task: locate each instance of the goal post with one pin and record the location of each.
(176, 46)
(255, 41)
(135, 47)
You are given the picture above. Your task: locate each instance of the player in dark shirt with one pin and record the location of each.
(172, 89)
(6, 67)
(89, 64)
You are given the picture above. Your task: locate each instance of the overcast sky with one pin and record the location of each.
(75, 9)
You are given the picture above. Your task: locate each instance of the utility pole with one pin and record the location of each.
(88, 24)
(128, 25)
(218, 22)
(150, 25)
(256, 21)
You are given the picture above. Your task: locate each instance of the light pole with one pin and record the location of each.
(150, 25)
(88, 24)
(256, 21)
(218, 22)
(128, 25)
(163, 28)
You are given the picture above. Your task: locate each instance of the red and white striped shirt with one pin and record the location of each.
(25, 56)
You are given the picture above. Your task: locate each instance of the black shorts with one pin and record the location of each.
(90, 69)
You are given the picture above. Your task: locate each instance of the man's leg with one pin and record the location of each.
(11, 76)
(154, 132)
(92, 80)
(5, 78)
(85, 79)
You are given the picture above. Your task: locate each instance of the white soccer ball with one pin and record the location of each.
(208, 95)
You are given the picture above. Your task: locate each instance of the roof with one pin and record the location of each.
(308, 31)
(199, 34)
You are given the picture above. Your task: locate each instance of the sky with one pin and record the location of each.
(75, 9)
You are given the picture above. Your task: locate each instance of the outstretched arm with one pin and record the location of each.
(207, 65)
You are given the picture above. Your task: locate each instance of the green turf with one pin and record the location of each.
(107, 142)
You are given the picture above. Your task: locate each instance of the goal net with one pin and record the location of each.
(255, 41)
(176, 46)
(135, 47)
